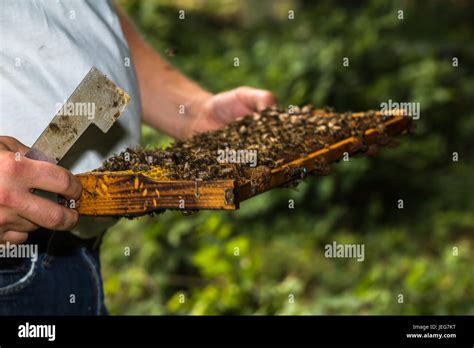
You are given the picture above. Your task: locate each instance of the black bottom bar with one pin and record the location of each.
(393, 330)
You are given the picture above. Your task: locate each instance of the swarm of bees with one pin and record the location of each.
(278, 136)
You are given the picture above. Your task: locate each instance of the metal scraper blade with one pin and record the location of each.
(96, 100)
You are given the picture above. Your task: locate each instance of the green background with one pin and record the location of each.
(281, 268)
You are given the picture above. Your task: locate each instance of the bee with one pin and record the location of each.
(171, 52)
(278, 135)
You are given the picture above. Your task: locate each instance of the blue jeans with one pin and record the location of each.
(53, 285)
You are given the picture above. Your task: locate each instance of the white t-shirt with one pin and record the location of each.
(46, 48)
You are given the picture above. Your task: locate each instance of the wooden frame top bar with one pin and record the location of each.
(133, 194)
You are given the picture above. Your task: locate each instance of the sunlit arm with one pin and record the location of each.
(170, 101)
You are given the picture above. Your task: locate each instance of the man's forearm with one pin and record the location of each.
(168, 98)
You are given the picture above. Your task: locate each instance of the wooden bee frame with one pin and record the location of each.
(134, 194)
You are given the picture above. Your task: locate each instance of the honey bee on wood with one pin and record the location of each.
(277, 135)
(372, 149)
(171, 52)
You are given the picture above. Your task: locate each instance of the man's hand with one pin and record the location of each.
(20, 210)
(215, 111)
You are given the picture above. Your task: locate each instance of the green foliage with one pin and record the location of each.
(255, 260)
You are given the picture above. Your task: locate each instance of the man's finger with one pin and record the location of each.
(13, 237)
(49, 177)
(265, 99)
(256, 99)
(44, 212)
(14, 145)
(10, 220)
